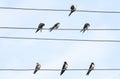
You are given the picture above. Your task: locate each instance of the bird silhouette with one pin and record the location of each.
(73, 9)
(90, 68)
(86, 25)
(56, 26)
(65, 65)
(38, 66)
(40, 27)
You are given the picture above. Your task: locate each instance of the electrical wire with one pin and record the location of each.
(35, 9)
(56, 39)
(57, 29)
(58, 69)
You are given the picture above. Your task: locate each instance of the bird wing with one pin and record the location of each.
(52, 28)
(36, 69)
(89, 70)
(40, 26)
(63, 69)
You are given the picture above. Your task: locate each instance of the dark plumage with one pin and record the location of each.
(73, 9)
(56, 26)
(38, 66)
(40, 27)
(65, 65)
(90, 68)
(86, 25)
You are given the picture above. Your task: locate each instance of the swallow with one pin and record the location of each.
(38, 66)
(86, 25)
(65, 65)
(73, 9)
(90, 68)
(56, 26)
(40, 27)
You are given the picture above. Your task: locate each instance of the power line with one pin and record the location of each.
(55, 39)
(58, 29)
(35, 9)
(58, 69)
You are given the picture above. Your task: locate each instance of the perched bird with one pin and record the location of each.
(40, 26)
(91, 68)
(73, 9)
(85, 27)
(56, 26)
(38, 66)
(65, 65)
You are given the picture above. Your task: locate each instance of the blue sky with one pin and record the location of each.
(52, 54)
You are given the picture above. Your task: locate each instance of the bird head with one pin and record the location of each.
(87, 24)
(43, 24)
(57, 23)
(37, 63)
(73, 7)
(93, 63)
(65, 62)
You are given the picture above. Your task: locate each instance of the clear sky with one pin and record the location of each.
(51, 54)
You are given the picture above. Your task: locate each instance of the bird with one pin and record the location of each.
(86, 25)
(56, 26)
(73, 9)
(65, 65)
(40, 26)
(90, 68)
(38, 66)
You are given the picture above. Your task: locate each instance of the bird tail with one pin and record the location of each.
(62, 72)
(88, 72)
(81, 30)
(51, 29)
(34, 71)
(70, 13)
(37, 30)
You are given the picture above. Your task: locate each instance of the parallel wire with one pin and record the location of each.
(35, 9)
(56, 39)
(57, 29)
(58, 69)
